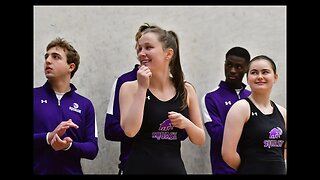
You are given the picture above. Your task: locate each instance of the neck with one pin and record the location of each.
(237, 85)
(60, 86)
(160, 83)
(260, 100)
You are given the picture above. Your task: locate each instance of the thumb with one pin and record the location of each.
(68, 139)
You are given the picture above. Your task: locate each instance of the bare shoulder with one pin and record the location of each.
(189, 86)
(242, 104)
(239, 111)
(281, 108)
(241, 107)
(283, 111)
(129, 85)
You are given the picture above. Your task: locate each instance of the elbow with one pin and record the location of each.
(92, 157)
(129, 132)
(202, 139)
(93, 153)
(226, 156)
(199, 140)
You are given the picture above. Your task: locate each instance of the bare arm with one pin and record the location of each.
(194, 126)
(284, 115)
(235, 120)
(132, 101)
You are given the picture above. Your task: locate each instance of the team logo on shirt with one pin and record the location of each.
(274, 134)
(162, 133)
(227, 103)
(75, 108)
(254, 114)
(166, 125)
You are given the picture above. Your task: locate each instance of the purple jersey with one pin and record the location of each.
(48, 113)
(215, 106)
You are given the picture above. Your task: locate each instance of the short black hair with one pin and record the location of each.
(240, 52)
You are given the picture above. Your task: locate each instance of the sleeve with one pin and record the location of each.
(212, 120)
(89, 147)
(112, 128)
(39, 141)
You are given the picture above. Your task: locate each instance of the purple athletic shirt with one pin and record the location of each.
(215, 106)
(48, 112)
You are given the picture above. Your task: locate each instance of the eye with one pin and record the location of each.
(265, 72)
(55, 56)
(253, 72)
(228, 65)
(149, 47)
(239, 67)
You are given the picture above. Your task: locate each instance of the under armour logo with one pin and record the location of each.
(148, 97)
(43, 101)
(228, 102)
(254, 114)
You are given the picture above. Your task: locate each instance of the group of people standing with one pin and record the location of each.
(153, 108)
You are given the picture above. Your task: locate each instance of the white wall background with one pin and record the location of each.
(104, 38)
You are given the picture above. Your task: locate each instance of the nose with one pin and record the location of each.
(48, 60)
(233, 69)
(141, 54)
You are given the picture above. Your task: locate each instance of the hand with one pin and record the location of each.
(58, 144)
(178, 120)
(143, 76)
(61, 129)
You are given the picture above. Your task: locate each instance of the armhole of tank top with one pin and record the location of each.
(276, 108)
(249, 102)
(273, 104)
(250, 108)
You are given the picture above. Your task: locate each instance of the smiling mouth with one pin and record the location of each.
(144, 62)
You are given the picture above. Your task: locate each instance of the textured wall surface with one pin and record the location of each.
(104, 38)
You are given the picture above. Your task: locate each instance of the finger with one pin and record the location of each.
(173, 116)
(71, 124)
(54, 139)
(149, 74)
(68, 139)
(171, 112)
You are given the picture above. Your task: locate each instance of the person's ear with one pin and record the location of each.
(169, 54)
(72, 66)
(275, 78)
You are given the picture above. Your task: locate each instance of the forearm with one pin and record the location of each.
(195, 133)
(39, 140)
(88, 150)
